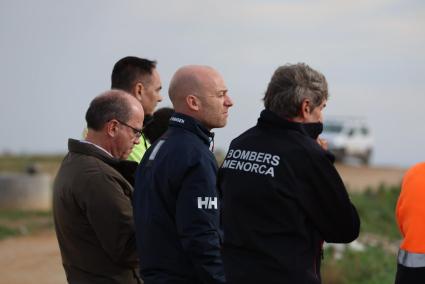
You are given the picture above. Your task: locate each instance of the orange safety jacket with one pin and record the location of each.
(410, 210)
(410, 214)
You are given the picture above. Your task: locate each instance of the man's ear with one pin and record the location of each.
(193, 103)
(305, 108)
(112, 128)
(138, 90)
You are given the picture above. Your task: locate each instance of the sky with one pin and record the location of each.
(57, 55)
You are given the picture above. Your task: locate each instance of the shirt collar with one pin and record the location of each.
(97, 146)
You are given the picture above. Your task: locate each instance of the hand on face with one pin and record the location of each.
(323, 143)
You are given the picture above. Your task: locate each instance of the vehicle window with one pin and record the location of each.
(365, 131)
(332, 128)
(351, 132)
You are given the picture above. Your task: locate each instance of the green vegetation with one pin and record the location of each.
(372, 266)
(377, 211)
(17, 222)
(44, 163)
(7, 232)
(379, 234)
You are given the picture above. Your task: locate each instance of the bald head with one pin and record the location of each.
(112, 104)
(114, 121)
(200, 92)
(191, 80)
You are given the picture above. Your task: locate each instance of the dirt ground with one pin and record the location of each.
(36, 258)
(31, 259)
(358, 178)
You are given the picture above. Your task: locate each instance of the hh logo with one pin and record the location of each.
(207, 203)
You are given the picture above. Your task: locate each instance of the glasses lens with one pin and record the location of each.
(137, 132)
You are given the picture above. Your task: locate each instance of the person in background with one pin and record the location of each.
(92, 195)
(282, 196)
(158, 124)
(176, 203)
(410, 215)
(140, 78)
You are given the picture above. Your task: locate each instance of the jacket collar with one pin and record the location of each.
(125, 168)
(189, 123)
(270, 119)
(90, 150)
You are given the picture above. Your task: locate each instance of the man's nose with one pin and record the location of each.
(136, 140)
(228, 102)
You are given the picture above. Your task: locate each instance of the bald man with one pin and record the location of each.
(176, 204)
(93, 191)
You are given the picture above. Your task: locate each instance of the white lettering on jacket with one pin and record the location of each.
(251, 161)
(207, 203)
(177, 119)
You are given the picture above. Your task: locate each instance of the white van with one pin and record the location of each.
(348, 137)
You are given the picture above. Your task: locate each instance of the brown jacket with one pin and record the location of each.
(93, 216)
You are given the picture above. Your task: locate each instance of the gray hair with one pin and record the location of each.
(113, 104)
(290, 85)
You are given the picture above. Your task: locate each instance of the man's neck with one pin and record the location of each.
(97, 139)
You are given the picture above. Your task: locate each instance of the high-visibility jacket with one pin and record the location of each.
(410, 214)
(139, 150)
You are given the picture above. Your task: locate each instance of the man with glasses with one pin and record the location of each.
(138, 132)
(140, 78)
(93, 191)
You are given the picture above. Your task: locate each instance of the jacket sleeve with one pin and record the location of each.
(322, 195)
(109, 212)
(198, 221)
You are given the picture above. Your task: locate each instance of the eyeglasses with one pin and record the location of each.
(137, 132)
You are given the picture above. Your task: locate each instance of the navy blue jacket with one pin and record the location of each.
(176, 207)
(282, 197)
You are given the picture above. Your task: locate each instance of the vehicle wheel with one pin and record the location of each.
(366, 157)
(339, 155)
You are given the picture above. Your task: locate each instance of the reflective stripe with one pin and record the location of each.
(410, 259)
(156, 149)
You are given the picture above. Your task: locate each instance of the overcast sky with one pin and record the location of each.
(57, 55)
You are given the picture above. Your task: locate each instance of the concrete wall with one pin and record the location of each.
(25, 191)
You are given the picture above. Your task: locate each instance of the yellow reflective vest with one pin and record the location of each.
(139, 150)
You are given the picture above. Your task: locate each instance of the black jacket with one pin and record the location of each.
(282, 198)
(176, 207)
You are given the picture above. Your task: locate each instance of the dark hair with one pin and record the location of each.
(128, 70)
(112, 104)
(290, 85)
(159, 124)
